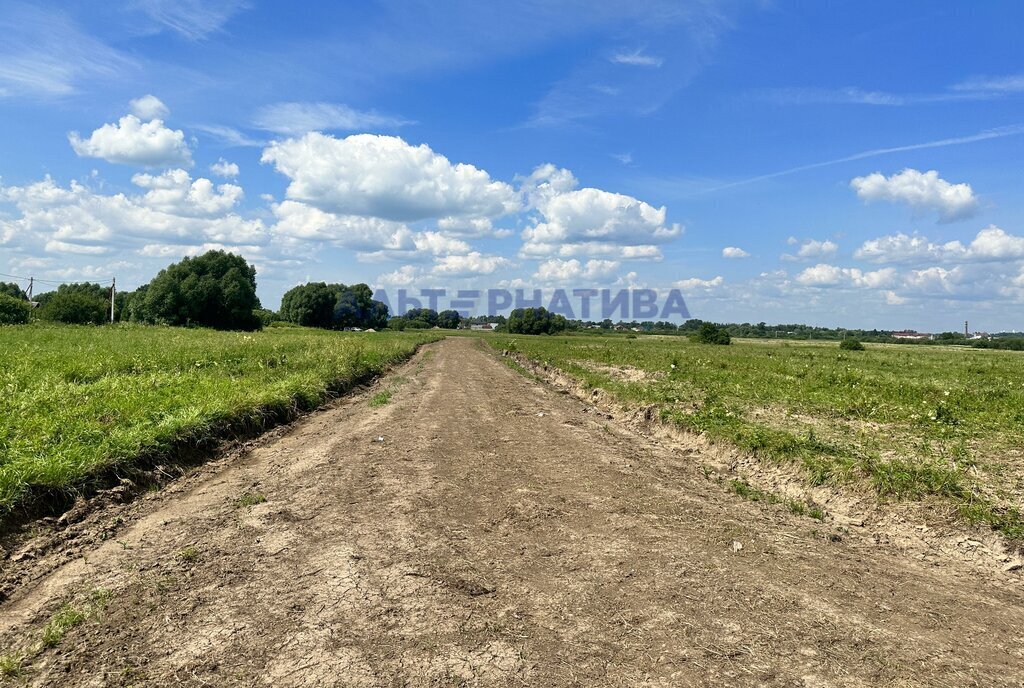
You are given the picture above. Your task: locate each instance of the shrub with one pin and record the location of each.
(710, 333)
(14, 311)
(851, 345)
(75, 308)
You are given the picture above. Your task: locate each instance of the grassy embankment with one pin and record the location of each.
(914, 422)
(76, 400)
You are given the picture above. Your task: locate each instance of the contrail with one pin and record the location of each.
(996, 133)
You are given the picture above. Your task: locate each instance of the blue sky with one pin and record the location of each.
(837, 163)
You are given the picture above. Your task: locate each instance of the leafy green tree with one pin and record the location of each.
(710, 333)
(449, 319)
(216, 289)
(535, 321)
(13, 290)
(336, 306)
(75, 307)
(310, 305)
(355, 307)
(266, 316)
(14, 311)
(851, 345)
(421, 318)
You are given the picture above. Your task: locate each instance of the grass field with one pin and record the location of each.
(78, 399)
(913, 422)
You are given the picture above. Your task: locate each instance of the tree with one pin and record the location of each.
(710, 333)
(14, 311)
(851, 345)
(420, 318)
(449, 319)
(216, 289)
(333, 306)
(75, 307)
(535, 321)
(355, 307)
(310, 305)
(13, 290)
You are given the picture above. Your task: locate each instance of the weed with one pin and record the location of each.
(380, 398)
(11, 665)
(66, 618)
(250, 499)
(756, 494)
(187, 555)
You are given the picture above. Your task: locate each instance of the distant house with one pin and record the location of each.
(485, 327)
(980, 335)
(910, 334)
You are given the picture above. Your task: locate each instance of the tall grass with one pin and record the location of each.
(77, 399)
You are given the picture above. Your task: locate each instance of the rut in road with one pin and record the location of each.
(500, 534)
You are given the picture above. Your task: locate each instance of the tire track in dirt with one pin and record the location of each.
(500, 534)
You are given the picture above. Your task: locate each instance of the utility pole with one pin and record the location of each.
(967, 334)
(113, 293)
(31, 281)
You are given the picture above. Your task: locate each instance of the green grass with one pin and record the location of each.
(380, 398)
(66, 618)
(911, 422)
(75, 400)
(250, 499)
(11, 665)
(754, 494)
(187, 555)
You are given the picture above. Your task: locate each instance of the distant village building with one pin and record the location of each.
(912, 335)
(485, 327)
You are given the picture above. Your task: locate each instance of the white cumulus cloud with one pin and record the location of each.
(174, 210)
(385, 177)
(825, 275)
(923, 191)
(134, 142)
(565, 271)
(474, 263)
(223, 168)
(734, 252)
(590, 221)
(176, 193)
(991, 244)
(811, 249)
(148, 107)
(695, 283)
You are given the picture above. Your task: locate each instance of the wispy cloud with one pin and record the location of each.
(1001, 84)
(996, 133)
(637, 58)
(973, 89)
(836, 96)
(229, 136)
(46, 54)
(193, 19)
(295, 119)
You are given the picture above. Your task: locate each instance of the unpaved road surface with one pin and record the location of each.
(483, 529)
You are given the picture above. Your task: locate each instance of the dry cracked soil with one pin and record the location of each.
(483, 529)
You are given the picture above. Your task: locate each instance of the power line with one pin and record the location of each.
(56, 282)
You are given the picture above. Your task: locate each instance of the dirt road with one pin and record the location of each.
(483, 529)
